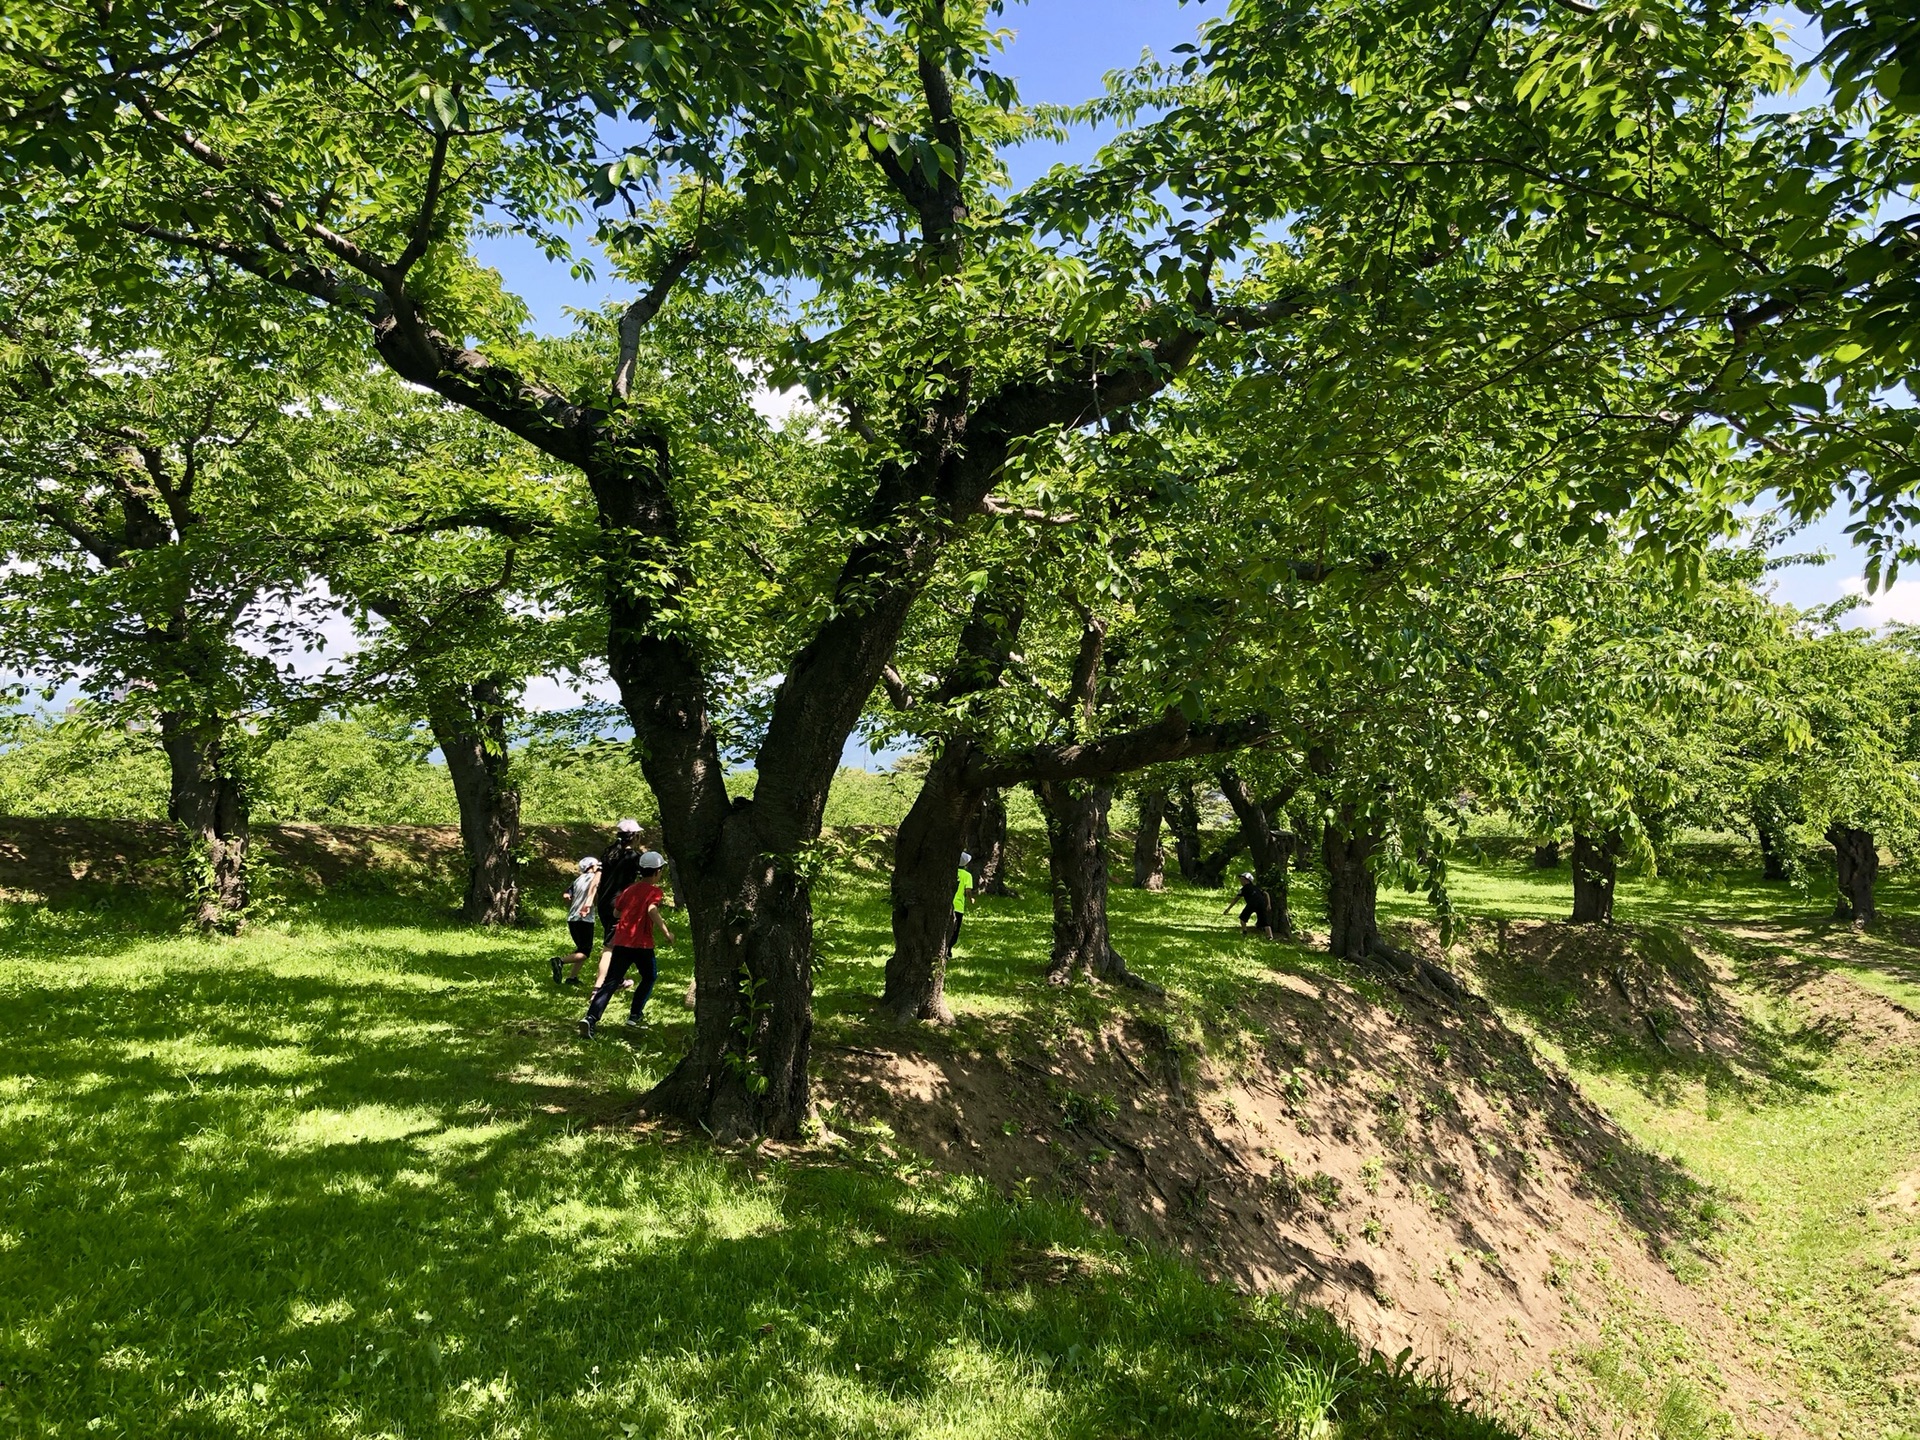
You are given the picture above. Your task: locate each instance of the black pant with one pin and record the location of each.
(954, 939)
(582, 933)
(1263, 920)
(625, 957)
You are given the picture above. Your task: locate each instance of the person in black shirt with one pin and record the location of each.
(1256, 905)
(619, 868)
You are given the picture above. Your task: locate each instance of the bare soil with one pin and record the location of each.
(1411, 1165)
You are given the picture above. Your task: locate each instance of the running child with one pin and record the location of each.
(637, 922)
(579, 900)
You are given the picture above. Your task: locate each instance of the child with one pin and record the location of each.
(963, 887)
(1256, 905)
(617, 871)
(637, 920)
(579, 920)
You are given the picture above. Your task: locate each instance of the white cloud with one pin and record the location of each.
(548, 692)
(777, 407)
(1899, 601)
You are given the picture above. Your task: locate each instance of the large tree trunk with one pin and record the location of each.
(207, 800)
(1149, 855)
(1773, 851)
(471, 729)
(926, 861)
(1856, 863)
(1270, 846)
(1353, 928)
(1076, 814)
(1595, 867)
(986, 841)
(742, 863)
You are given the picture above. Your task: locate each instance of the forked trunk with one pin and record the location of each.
(1353, 927)
(1076, 814)
(1149, 855)
(471, 729)
(1546, 855)
(926, 865)
(986, 841)
(1773, 852)
(1270, 846)
(1595, 867)
(1856, 863)
(207, 801)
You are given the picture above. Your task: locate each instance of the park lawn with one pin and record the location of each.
(351, 1174)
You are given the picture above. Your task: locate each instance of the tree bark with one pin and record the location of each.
(926, 865)
(207, 800)
(1076, 814)
(1546, 855)
(1856, 866)
(986, 841)
(1270, 846)
(471, 729)
(1149, 855)
(1773, 852)
(1595, 867)
(1353, 928)
(1183, 819)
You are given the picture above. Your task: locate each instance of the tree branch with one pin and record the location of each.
(1172, 737)
(422, 235)
(636, 316)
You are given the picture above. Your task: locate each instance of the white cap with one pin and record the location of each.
(587, 863)
(965, 856)
(628, 827)
(652, 860)
(1246, 875)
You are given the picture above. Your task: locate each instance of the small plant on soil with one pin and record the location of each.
(1077, 1110)
(1371, 1172)
(1323, 1188)
(1683, 1415)
(1373, 1230)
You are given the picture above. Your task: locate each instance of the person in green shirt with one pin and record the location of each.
(961, 890)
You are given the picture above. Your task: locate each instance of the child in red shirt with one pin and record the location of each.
(637, 920)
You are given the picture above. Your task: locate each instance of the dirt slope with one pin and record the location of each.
(1410, 1165)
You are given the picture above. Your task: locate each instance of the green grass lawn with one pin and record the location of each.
(351, 1174)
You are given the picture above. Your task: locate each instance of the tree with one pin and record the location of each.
(1841, 756)
(149, 468)
(451, 548)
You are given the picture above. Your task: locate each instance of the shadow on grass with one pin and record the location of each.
(361, 1183)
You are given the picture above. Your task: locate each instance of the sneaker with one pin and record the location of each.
(571, 980)
(586, 1029)
(555, 963)
(634, 1022)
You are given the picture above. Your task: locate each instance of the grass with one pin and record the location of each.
(350, 1174)
(1800, 1137)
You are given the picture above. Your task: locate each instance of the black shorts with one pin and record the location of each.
(582, 933)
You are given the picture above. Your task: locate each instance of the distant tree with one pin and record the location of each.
(1841, 765)
(148, 495)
